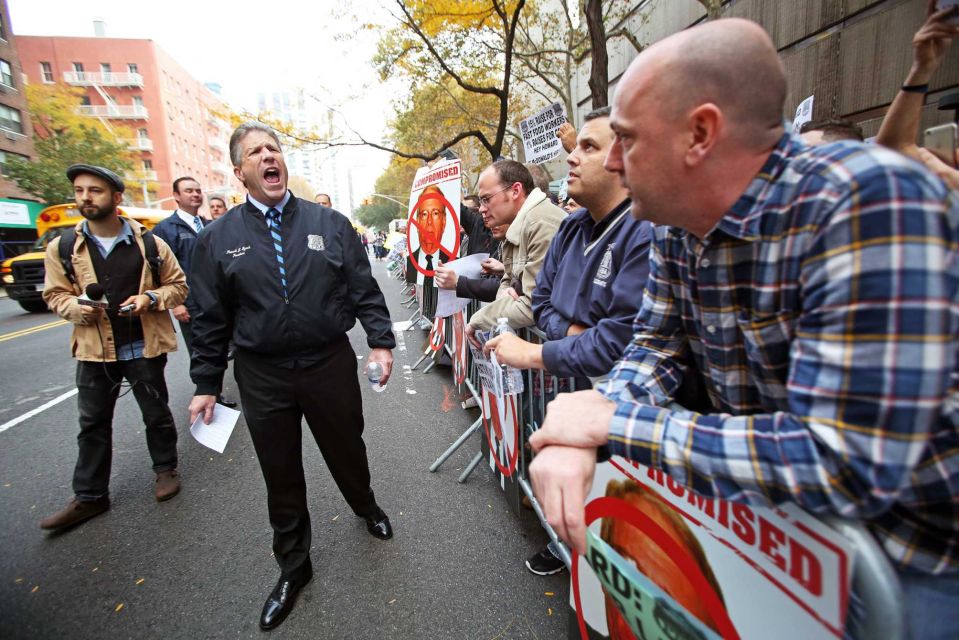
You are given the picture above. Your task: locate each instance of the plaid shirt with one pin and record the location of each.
(821, 315)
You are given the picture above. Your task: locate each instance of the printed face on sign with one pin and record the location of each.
(431, 219)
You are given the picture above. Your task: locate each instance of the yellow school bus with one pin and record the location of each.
(23, 275)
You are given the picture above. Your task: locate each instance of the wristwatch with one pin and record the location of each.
(153, 299)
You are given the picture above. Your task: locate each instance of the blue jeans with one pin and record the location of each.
(932, 605)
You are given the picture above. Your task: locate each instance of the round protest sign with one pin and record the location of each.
(632, 594)
(499, 438)
(433, 230)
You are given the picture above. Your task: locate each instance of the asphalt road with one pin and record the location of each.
(200, 565)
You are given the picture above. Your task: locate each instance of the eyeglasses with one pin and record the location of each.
(484, 200)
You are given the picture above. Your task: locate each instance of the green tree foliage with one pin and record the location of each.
(63, 138)
(395, 183)
(377, 214)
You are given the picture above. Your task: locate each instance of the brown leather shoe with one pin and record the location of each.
(167, 485)
(74, 513)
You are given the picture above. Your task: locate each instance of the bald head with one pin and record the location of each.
(731, 63)
(696, 116)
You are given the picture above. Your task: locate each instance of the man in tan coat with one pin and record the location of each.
(507, 196)
(118, 261)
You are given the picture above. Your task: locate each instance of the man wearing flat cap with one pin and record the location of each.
(120, 345)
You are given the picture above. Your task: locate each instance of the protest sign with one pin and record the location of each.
(719, 568)
(539, 134)
(433, 228)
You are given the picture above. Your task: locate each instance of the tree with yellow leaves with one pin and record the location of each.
(63, 138)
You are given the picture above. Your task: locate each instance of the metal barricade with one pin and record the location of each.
(874, 580)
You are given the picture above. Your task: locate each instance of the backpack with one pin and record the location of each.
(152, 254)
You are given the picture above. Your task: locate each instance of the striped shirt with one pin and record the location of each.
(821, 316)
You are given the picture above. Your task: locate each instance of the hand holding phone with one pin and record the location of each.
(948, 4)
(941, 141)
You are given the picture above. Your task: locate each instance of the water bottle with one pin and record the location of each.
(502, 327)
(374, 373)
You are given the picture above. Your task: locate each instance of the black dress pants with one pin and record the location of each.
(275, 400)
(99, 385)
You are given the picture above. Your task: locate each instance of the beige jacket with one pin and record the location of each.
(61, 296)
(524, 250)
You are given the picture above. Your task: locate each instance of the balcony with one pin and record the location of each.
(143, 175)
(119, 111)
(219, 145)
(103, 79)
(139, 144)
(222, 168)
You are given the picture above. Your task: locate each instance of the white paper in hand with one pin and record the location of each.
(216, 434)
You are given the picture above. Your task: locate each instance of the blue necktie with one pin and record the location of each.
(273, 222)
(196, 223)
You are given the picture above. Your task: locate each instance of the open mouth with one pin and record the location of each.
(271, 176)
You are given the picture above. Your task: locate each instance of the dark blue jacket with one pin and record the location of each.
(180, 236)
(593, 275)
(236, 291)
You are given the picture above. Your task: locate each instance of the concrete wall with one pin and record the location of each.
(851, 54)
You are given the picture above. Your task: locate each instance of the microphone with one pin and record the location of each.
(94, 296)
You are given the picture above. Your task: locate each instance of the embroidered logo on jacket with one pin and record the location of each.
(315, 242)
(239, 251)
(605, 266)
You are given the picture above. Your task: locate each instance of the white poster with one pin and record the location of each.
(803, 113)
(433, 227)
(539, 134)
(676, 564)
(14, 213)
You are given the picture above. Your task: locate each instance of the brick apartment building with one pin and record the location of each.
(174, 121)
(18, 209)
(15, 133)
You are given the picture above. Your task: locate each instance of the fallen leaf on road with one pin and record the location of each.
(35, 589)
(95, 569)
(18, 580)
(550, 593)
(335, 517)
(550, 611)
(391, 601)
(141, 580)
(119, 606)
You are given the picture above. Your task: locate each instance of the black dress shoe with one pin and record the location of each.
(229, 404)
(281, 600)
(379, 526)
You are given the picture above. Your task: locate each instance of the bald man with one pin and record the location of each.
(813, 289)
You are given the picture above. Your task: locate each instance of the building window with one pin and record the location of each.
(10, 119)
(132, 68)
(9, 155)
(6, 73)
(85, 100)
(105, 68)
(137, 101)
(143, 134)
(46, 71)
(78, 67)
(148, 165)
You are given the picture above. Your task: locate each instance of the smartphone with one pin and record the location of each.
(945, 4)
(941, 141)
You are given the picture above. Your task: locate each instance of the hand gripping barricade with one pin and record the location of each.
(761, 571)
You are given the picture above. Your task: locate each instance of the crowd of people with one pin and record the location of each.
(767, 317)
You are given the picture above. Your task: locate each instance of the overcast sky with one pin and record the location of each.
(246, 47)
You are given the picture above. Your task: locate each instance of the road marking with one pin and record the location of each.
(43, 407)
(26, 332)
